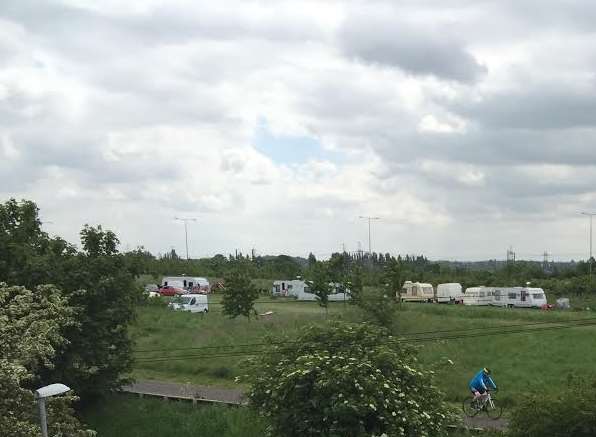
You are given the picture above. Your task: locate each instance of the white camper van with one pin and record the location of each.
(478, 296)
(520, 297)
(450, 293)
(417, 292)
(195, 303)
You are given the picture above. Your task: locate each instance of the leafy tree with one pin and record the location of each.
(345, 380)
(571, 412)
(29, 334)
(319, 284)
(239, 295)
(356, 286)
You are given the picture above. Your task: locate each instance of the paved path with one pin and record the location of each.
(176, 390)
(230, 396)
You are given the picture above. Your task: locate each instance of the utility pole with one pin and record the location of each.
(369, 218)
(590, 215)
(186, 220)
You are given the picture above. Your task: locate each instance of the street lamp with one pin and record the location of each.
(369, 220)
(590, 214)
(46, 392)
(186, 220)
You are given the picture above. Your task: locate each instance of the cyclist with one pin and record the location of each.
(481, 383)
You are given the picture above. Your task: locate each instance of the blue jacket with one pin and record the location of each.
(482, 381)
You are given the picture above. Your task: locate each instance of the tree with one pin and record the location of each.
(239, 295)
(356, 286)
(319, 284)
(30, 332)
(344, 380)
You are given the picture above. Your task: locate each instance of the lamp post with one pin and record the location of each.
(186, 220)
(369, 220)
(590, 214)
(46, 392)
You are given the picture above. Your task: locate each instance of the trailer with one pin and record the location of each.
(301, 290)
(478, 296)
(519, 297)
(450, 293)
(417, 292)
(193, 284)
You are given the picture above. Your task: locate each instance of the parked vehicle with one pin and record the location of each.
(195, 303)
(478, 296)
(417, 292)
(192, 283)
(450, 293)
(172, 290)
(301, 290)
(520, 297)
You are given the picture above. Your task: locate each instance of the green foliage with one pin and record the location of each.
(572, 412)
(345, 380)
(30, 331)
(356, 286)
(239, 295)
(319, 283)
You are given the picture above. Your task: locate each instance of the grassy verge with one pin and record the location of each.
(121, 415)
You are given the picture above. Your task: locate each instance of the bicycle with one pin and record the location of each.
(472, 407)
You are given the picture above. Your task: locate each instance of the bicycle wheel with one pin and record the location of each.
(495, 411)
(470, 407)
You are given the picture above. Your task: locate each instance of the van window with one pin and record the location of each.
(193, 301)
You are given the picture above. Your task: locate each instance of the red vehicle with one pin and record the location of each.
(170, 290)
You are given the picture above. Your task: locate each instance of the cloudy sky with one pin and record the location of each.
(466, 125)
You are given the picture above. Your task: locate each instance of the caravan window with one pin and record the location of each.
(538, 296)
(482, 294)
(512, 295)
(404, 290)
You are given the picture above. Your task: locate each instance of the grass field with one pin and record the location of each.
(522, 363)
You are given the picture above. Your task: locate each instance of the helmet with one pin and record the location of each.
(486, 370)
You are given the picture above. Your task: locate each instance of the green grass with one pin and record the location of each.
(121, 415)
(522, 363)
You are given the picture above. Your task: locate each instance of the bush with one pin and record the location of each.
(570, 413)
(345, 380)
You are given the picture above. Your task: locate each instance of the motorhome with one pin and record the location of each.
(417, 292)
(478, 296)
(450, 293)
(195, 303)
(192, 283)
(519, 297)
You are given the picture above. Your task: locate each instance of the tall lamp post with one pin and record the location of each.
(590, 215)
(186, 220)
(41, 394)
(369, 220)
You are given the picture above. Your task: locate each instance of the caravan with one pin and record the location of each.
(416, 292)
(192, 283)
(301, 290)
(478, 296)
(519, 297)
(450, 293)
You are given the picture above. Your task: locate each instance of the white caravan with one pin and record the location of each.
(477, 296)
(301, 290)
(450, 293)
(195, 303)
(193, 283)
(520, 297)
(417, 292)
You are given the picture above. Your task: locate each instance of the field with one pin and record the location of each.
(522, 363)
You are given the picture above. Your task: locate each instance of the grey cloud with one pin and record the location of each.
(417, 50)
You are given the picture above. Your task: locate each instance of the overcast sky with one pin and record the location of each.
(466, 125)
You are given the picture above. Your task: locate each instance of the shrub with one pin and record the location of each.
(570, 413)
(345, 380)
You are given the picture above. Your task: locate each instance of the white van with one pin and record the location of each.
(450, 293)
(195, 303)
(417, 292)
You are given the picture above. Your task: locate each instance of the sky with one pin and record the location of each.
(467, 126)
